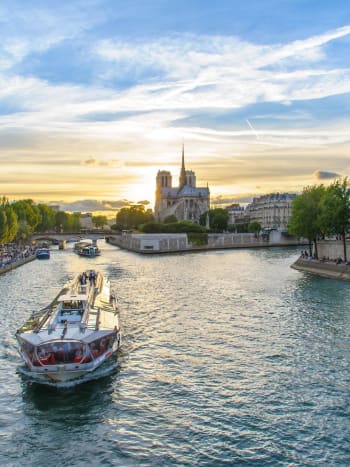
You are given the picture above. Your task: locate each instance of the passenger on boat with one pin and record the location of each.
(28, 349)
(82, 278)
(60, 354)
(42, 358)
(92, 277)
(103, 345)
(94, 350)
(78, 356)
(51, 358)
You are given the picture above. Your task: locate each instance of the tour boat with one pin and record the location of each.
(75, 334)
(42, 253)
(81, 244)
(89, 251)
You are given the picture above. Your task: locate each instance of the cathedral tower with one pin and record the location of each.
(182, 180)
(185, 202)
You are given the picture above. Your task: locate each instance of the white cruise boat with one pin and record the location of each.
(75, 334)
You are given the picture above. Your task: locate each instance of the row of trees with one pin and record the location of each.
(321, 211)
(133, 217)
(137, 217)
(19, 219)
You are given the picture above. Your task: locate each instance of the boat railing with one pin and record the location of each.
(40, 325)
(90, 302)
(97, 326)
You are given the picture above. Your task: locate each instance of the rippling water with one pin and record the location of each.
(228, 358)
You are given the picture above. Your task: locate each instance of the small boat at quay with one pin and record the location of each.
(42, 253)
(75, 334)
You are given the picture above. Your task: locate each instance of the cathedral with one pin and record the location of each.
(185, 202)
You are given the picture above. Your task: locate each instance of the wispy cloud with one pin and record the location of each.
(191, 72)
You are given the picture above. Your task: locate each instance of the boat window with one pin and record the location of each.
(71, 306)
(55, 353)
(100, 346)
(28, 349)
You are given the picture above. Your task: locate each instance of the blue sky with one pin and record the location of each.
(97, 95)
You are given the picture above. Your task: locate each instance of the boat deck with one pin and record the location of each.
(76, 307)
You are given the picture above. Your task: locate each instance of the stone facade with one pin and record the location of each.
(272, 211)
(237, 214)
(185, 202)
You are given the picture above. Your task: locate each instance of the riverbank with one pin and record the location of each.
(16, 264)
(327, 269)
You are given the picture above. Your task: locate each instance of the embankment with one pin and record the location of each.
(323, 268)
(179, 243)
(16, 264)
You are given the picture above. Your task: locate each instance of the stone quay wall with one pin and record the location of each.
(332, 249)
(16, 264)
(327, 269)
(167, 243)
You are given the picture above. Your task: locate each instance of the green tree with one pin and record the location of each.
(28, 212)
(122, 217)
(8, 221)
(99, 221)
(305, 218)
(12, 223)
(152, 227)
(74, 224)
(66, 222)
(254, 227)
(170, 219)
(23, 232)
(62, 221)
(48, 218)
(134, 216)
(218, 219)
(3, 227)
(335, 210)
(242, 227)
(183, 227)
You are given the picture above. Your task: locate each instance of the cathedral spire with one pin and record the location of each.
(183, 171)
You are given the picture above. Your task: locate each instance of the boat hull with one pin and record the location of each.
(62, 376)
(45, 255)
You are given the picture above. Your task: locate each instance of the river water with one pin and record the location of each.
(228, 358)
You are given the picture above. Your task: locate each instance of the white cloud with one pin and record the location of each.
(189, 72)
(203, 70)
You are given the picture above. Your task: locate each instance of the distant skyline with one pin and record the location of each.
(97, 95)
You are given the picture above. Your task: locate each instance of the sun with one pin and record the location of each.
(142, 187)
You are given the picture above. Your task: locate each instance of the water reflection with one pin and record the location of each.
(75, 404)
